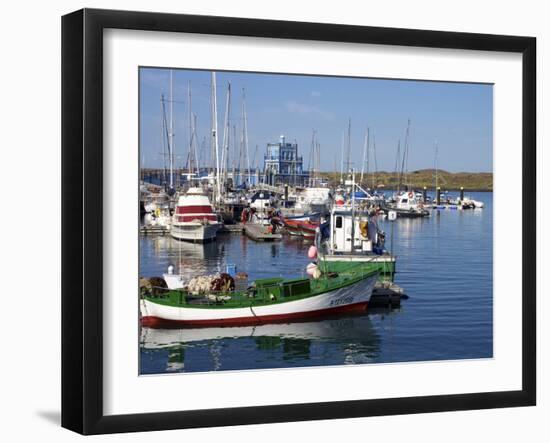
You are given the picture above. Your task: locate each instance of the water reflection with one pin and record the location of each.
(444, 262)
(329, 341)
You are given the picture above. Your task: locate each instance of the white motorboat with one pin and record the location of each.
(194, 219)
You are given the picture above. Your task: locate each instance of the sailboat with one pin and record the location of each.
(406, 203)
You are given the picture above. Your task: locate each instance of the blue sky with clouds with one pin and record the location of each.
(459, 116)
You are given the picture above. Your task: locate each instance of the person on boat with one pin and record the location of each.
(245, 215)
(274, 220)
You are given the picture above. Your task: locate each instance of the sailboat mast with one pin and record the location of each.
(226, 131)
(368, 154)
(375, 162)
(342, 159)
(195, 153)
(163, 141)
(171, 144)
(405, 165)
(190, 128)
(397, 166)
(215, 147)
(348, 163)
(318, 161)
(365, 156)
(313, 160)
(435, 165)
(245, 138)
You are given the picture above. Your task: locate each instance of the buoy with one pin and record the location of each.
(311, 268)
(312, 252)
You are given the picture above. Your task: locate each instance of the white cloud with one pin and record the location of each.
(308, 110)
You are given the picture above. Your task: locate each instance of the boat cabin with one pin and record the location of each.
(352, 234)
(407, 201)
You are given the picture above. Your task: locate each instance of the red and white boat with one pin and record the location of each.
(301, 227)
(194, 219)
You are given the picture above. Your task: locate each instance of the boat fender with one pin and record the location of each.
(312, 252)
(311, 268)
(411, 195)
(363, 227)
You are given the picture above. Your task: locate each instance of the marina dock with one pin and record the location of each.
(259, 232)
(232, 228)
(154, 230)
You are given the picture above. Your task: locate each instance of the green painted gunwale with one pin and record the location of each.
(386, 270)
(347, 275)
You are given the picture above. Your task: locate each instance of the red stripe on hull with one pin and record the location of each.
(157, 322)
(206, 209)
(190, 218)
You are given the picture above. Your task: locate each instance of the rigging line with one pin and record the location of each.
(254, 314)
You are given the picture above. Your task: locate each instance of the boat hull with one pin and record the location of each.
(348, 299)
(195, 232)
(302, 228)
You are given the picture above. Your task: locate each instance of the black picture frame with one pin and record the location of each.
(82, 216)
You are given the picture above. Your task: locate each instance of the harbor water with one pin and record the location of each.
(444, 264)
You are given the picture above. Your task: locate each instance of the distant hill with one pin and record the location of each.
(470, 181)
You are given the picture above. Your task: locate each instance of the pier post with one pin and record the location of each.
(438, 196)
(461, 194)
(424, 192)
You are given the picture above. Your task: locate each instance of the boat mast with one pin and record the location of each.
(342, 159)
(365, 156)
(313, 160)
(435, 165)
(163, 137)
(226, 131)
(235, 143)
(375, 162)
(352, 210)
(405, 164)
(171, 143)
(348, 162)
(215, 134)
(245, 139)
(190, 131)
(197, 160)
(397, 170)
(368, 154)
(318, 153)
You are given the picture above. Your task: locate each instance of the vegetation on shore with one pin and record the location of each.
(450, 181)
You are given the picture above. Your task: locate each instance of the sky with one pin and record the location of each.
(457, 117)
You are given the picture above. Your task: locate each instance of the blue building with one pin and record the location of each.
(282, 165)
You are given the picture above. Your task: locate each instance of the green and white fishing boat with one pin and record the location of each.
(333, 289)
(351, 235)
